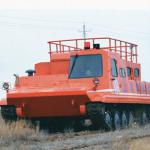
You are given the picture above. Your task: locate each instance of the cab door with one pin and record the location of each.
(119, 76)
(114, 75)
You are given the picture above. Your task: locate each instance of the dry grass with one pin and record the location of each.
(16, 130)
(21, 136)
(16, 135)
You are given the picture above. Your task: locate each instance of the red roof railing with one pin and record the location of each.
(126, 50)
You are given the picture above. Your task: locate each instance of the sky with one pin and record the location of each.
(75, 4)
(27, 25)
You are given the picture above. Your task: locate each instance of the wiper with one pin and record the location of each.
(74, 62)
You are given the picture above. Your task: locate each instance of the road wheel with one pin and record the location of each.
(117, 120)
(72, 125)
(144, 118)
(108, 120)
(124, 120)
(131, 119)
(68, 129)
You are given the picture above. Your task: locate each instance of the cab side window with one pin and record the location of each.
(129, 71)
(122, 72)
(136, 72)
(114, 71)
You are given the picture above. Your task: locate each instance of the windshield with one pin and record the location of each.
(85, 66)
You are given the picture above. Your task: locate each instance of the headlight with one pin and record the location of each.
(5, 86)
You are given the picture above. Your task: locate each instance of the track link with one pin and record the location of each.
(117, 116)
(8, 113)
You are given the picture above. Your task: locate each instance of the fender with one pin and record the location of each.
(3, 102)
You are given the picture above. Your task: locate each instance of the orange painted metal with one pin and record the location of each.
(3, 102)
(51, 93)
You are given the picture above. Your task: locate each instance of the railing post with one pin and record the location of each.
(136, 53)
(77, 44)
(93, 42)
(131, 52)
(50, 49)
(59, 46)
(115, 45)
(69, 48)
(126, 53)
(110, 44)
(121, 49)
(63, 49)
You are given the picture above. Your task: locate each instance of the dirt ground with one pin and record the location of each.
(140, 144)
(19, 136)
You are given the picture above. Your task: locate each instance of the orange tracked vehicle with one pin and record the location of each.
(93, 78)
